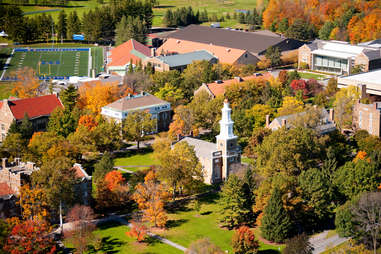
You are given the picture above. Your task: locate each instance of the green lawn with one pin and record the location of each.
(5, 90)
(184, 226)
(218, 7)
(311, 75)
(247, 160)
(97, 59)
(144, 157)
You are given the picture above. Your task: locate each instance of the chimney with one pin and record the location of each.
(331, 114)
(284, 122)
(239, 79)
(363, 91)
(4, 163)
(17, 160)
(267, 121)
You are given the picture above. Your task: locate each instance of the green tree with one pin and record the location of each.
(294, 75)
(283, 25)
(62, 122)
(62, 25)
(137, 125)
(73, 25)
(57, 178)
(356, 177)
(232, 202)
(102, 167)
(160, 79)
(171, 94)
(69, 97)
(179, 166)
(300, 30)
(276, 224)
(131, 28)
(107, 136)
(4, 232)
(344, 223)
(326, 30)
(273, 54)
(14, 145)
(26, 128)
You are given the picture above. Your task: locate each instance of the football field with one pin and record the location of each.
(56, 63)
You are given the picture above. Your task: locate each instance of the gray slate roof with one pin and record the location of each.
(187, 58)
(202, 148)
(251, 41)
(372, 54)
(135, 102)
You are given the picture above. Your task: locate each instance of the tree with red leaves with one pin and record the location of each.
(81, 233)
(138, 230)
(300, 86)
(244, 242)
(30, 236)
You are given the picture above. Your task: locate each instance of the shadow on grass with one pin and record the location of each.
(151, 241)
(179, 206)
(268, 252)
(164, 6)
(108, 246)
(132, 152)
(210, 198)
(206, 213)
(175, 223)
(107, 225)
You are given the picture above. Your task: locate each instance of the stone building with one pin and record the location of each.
(15, 174)
(159, 109)
(38, 110)
(367, 117)
(217, 159)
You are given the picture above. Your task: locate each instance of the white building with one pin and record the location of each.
(217, 159)
(371, 80)
(159, 109)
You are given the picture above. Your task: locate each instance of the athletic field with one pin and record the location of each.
(56, 63)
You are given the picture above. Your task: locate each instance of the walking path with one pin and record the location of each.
(121, 220)
(321, 243)
(7, 64)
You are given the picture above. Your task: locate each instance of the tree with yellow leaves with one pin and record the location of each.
(94, 96)
(183, 122)
(345, 99)
(151, 197)
(27, 83)
(33, 203)
(291, 105)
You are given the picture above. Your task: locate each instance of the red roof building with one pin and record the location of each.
(38, 110)
(219, 86)
(120, 57)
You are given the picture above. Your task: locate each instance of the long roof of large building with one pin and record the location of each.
(255, 42)
(203, 149)
(34, 107)
(186, 58)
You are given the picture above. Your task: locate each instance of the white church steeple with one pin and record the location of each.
(226, 123)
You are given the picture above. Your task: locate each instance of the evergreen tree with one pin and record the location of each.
(130, 28)
(233, 200)
(130, 67)
(73, 25)
(276, 224)
(102, 167)
(62, 122)
(62, 25)
(283, 25)
(26, 127)
(273, 54)
(69, 97)
(13, 128)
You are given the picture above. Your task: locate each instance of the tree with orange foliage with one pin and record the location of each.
(114, 179)
(88, 121)
(33, 203)
(31, 236)
(361, 155)
(27, 83)
(183, 122)
(150, 197)
(94, 96)
(138, 230)
(244, 242)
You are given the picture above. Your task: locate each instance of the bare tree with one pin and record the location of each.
(81, 233)
(367, 215)
(137, 82)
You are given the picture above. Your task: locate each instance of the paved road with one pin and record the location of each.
(321, 243)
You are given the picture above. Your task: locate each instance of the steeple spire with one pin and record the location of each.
(226, 123)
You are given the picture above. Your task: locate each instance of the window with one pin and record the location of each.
(245, 55)
(2, 126)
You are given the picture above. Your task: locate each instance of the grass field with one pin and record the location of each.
(60, 63)
(142, 158)
(185, 225)
(5, 90)
(212, 6)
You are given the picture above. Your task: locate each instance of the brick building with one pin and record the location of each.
(38, 110)
(367, 117)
